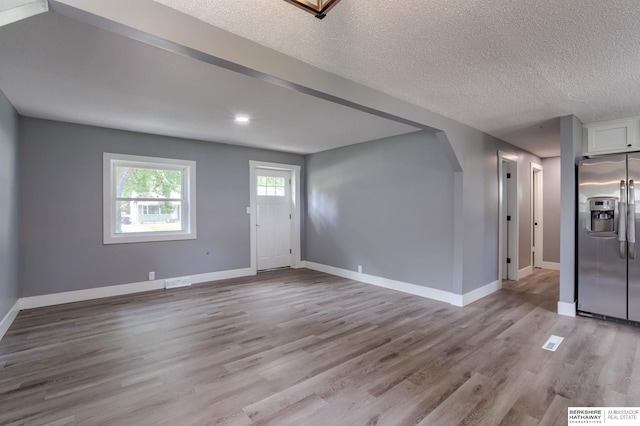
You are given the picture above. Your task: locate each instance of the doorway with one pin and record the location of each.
(273, 219)
(508, 223)
(275, 215)
(536, 216)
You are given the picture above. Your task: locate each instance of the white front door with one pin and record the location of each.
(273, 222)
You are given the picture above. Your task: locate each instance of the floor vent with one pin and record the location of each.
(177, 282)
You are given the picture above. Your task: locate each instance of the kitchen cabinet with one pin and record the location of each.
(612, 136)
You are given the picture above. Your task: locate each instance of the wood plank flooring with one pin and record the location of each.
(298, 347)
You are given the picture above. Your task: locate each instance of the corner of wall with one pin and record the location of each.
(567, 309)
(8, 319)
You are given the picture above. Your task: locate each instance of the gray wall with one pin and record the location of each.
(61, 226)
(570, 152)
(551, 209)
(386, 205)
(8, 206)
(370, 204)
(476, 199)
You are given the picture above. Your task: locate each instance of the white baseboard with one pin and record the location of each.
(524, 272)
(477, 294)
(551, 265)
(8, 318)
(417, 290)
(221, 275)
(88, 294)
(122, 289)
(567, 309)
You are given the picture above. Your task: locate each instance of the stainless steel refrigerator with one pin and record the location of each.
(608, 259)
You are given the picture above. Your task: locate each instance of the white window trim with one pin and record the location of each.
(110, 161)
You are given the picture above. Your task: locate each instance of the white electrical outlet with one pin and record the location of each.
(152, 276)
(359, 269)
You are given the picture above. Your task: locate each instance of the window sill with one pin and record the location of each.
(142, 238)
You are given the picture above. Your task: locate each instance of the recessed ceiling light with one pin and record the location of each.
(242, 119)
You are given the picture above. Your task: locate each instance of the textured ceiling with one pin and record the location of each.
(57, 68)
(506, 67)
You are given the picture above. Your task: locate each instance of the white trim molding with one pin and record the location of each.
(416, 290)
(567, 309)
(8, 318)
(122, 289)
(551, 265)
(524, 272)
(476, 294)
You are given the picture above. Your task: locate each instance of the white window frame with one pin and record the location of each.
(109, 163)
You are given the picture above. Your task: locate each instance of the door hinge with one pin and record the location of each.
(289, 181)
(289, 216)
(290, 251)
(508, 218)
(508, 175)
(508, 260)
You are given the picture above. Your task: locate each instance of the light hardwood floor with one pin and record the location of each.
(305, 348)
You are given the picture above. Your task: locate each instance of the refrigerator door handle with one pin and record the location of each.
(631, 220)
(622, 219)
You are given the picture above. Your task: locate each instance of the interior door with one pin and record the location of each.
(509, 215)
(536, 215)
(633, 300)
(505, 224)
(273, 195)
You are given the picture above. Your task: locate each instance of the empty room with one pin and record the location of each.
(337, 212)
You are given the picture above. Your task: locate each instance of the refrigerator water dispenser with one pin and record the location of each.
(601, 214)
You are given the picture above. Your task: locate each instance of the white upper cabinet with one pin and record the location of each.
(612, 136)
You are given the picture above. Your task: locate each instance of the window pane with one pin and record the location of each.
(150, 199)
(134, 182)
(148, 216)
(271, 186)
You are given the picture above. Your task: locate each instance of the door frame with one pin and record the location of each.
(296, 200)
(537, 211)
(512, 270)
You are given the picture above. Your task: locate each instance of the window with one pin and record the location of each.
(148, 199)
(271, 186)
